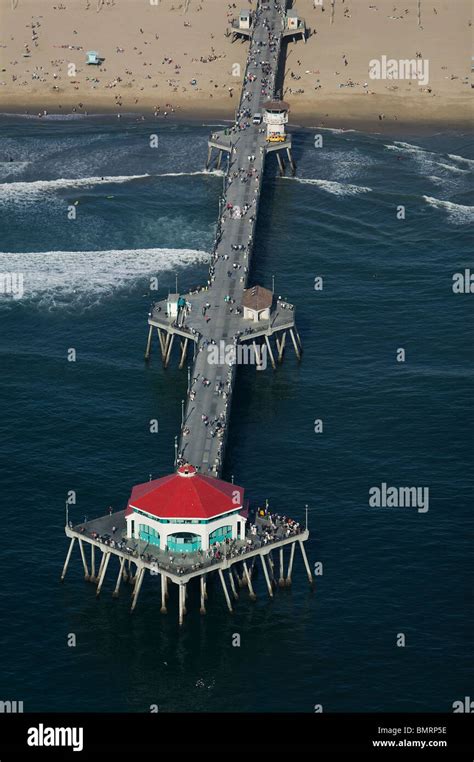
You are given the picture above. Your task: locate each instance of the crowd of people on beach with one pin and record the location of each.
(132, 81)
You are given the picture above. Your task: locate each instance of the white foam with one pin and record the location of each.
(405, 148)
(207, 172)
(410, 147)
(83, 278)
(462, 159)
(343, 165)
(335, 130)
(330, 186)
(27, 190)
(451, 168)
(457, 213)
(12, 167)
(427, 160)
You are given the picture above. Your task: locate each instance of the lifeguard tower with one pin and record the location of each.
(275, 116)
(93, 58)
(294, 25)
(241, 27)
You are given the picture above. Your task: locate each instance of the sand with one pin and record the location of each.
(177, 58)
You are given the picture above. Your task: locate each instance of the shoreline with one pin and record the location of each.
(345, 118)
(179, 62)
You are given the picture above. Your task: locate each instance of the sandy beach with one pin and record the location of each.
(177, 58)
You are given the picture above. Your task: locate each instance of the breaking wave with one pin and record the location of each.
(330, 186)
(16, 191)
(428, 159)
(457, 213)
(83, 278)
(462, 159)
(205, 172)
(22, 190)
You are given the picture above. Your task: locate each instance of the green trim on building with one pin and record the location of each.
(185, 521)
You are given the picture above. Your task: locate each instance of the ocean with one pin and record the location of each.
(143, 212)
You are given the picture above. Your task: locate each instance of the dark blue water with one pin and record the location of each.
(84, 426)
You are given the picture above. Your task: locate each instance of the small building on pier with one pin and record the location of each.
(275, 116)
(241, 27)
(244, 19)
(172, 305)
(294, 25)
(257, 303)
(186, 512)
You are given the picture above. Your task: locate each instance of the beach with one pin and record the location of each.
(178, 59)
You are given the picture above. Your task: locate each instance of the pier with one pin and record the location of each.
(213, 316)
(212, 330)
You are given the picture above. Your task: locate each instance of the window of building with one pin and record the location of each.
(220, 535)
(184, 542)
(148, 534)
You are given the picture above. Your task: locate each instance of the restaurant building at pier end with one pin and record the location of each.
(186, 511)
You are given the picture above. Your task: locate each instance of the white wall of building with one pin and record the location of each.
(256, 315)
(203, 530)
(244, 21)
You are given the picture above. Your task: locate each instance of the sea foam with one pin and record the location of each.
(28, 191)
(83, 278)
(24, 190)
(457, 213)
(330, 186)
(462, 159)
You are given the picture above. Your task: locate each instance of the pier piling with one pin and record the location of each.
(232, 585)
(281, 580)
(148, 343)
(93, 578)
(84, 562)
(203, 594)
(267, 578)
(136, 589)
(249, 582)
(163, 608)
(181, 604)
(119, 579)
(105, 563)
(68, 556)
(305, 559)
(224, 587)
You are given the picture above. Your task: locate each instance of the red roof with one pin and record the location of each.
(186, 495)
